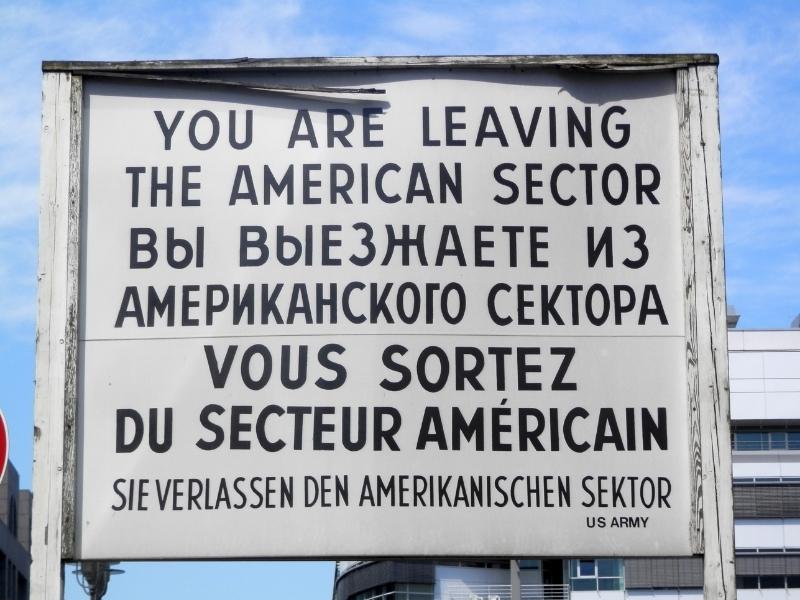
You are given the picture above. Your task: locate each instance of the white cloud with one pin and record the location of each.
(761, 226)
(18, 203)
(759, 46)
(256, 29)
(17, 292)
(762, 243)
(422, 23)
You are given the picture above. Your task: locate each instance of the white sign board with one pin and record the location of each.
(444, 320)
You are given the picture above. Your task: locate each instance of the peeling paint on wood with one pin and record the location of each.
(56, 336)
(716, 510)
(71, 333)
(690, 311)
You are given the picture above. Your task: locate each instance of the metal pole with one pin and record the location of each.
(513, 567)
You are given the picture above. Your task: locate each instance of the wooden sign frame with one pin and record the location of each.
(59, 251)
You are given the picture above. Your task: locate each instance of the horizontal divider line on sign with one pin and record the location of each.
(388, 334)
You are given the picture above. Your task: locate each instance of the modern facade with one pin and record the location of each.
(15, 537)
(765, 415)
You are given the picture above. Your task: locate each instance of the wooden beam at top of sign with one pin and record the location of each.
(274, 87)
(601, 62)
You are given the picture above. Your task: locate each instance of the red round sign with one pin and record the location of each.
(3, 445)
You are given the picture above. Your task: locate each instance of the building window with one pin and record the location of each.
(397, 591)
(586, 568)
(12, 516)
(788, 480)
(772, 582)
(600, 574)
(747, 582)
(766, 439)
(767, 582)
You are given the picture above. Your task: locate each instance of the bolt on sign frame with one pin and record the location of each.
(628, 402)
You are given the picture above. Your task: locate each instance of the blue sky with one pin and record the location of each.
(759, 48)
